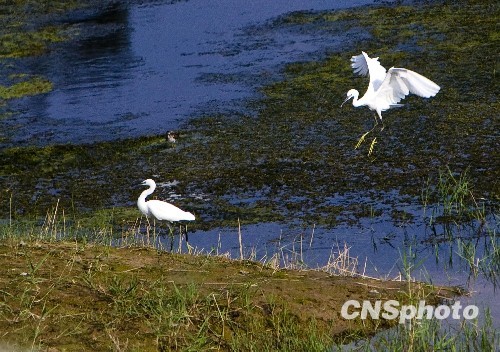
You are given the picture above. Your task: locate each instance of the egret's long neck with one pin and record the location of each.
(355, 101)
(147, 192)
(141, 202)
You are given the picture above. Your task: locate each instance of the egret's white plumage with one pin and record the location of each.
(158, 209)
(161, 210)
(387, 88)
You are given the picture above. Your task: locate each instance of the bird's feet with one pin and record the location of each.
(372, 146)
(362, 139)
(374, 140)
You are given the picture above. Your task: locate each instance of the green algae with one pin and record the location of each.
(26, 31)
(22, 44)
(298, 152)
(31, 86)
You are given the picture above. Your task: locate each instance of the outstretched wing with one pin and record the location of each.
(364, 65)
(416, 83)
(398, 83)
(166, 211)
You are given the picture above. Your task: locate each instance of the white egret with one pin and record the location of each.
(161, 210)
(387, 89)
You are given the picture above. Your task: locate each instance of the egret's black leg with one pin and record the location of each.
(171, 235)
(148, 229)
(382, 123)
(376, 120)
(190, 249)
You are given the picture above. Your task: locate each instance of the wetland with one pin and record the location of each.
(262, 141)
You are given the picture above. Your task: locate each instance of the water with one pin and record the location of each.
(377, 246)
(139, 70)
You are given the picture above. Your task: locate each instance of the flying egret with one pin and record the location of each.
(387, 89)
(161, 210)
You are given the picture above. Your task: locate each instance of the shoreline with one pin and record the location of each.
(91, 290)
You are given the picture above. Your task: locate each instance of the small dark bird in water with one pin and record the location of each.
(172, 136)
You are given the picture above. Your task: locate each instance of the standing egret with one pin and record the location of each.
(386, 89)
(161, 210)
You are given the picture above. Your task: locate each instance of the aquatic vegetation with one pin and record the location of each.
(453, 199)
(21, 43)
(464, 224)
(433, 334)
(31, 86)
(297, 152)
(27, 30)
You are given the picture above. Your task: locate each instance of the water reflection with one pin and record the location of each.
(144, 69)
(88, 77)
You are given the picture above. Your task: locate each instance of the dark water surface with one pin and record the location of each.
(138, 70)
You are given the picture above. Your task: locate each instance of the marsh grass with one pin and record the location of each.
(433, 335)
(63, 287)
(479, 334)
(485, 262)
(468, 226)
(128, 310)
(145, 233)
(174, 317)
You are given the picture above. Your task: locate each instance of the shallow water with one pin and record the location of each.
(139, 70)
(377, 247)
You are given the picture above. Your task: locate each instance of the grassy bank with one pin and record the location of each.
(77, 296)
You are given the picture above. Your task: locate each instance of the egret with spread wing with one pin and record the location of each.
(387, 89)
(161, 210)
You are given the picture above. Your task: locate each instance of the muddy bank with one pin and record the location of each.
(76, 296)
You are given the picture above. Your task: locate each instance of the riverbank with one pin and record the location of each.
(76, 296)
